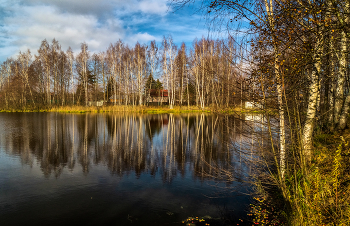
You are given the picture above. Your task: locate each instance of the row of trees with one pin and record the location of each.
(204, 75)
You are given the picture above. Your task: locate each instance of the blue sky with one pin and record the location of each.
(25, 23)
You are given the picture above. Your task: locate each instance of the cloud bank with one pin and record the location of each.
(25, 23)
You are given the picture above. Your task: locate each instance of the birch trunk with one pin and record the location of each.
(331, 92)
(165, 67)
(269, 10)
(86, 79)
(343, 74)
(312, 102)
(345, 112)
(172, 73)
(70, 56)
(228, 78)
(330, 70)
(339, 94)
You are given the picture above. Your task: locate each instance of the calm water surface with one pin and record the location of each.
(120, 169)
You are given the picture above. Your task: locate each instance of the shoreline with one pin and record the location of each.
(141, 109)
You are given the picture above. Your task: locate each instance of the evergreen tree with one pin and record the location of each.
(110, 87)
(150, 83)
(158, 85)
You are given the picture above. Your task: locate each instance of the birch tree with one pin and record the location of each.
(24, 64)
(82, 68)
(140, 66)
(45, 62)
(70, 56)
(271, 22)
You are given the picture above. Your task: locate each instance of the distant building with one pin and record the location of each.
(157, 96)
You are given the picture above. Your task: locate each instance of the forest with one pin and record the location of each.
(204, 75)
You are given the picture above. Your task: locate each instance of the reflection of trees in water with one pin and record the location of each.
(39, 136)
(170, 144)
(127, 148)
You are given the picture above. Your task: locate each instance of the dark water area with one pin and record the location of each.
(122, 169)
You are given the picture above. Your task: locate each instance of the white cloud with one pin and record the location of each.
(153, 6)
(101, 8)
(97, 22)
(29, 25)
(35, 24)
(142, 38)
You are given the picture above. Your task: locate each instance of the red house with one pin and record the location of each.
(157, 96)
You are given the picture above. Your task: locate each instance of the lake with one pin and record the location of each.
(123, 169)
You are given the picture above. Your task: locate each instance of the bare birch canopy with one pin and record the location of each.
(203, 74)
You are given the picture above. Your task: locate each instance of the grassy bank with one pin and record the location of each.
(323, 197)
(137, 109)
(320, 195)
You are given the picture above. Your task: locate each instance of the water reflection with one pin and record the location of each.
(170, 144)
(159, 169)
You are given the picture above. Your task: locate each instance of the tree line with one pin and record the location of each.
(204, 75)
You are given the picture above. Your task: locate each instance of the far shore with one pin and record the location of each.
(139, 109)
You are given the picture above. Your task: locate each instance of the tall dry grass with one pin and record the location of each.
(319, 195)
(127, 108)
(322, 196)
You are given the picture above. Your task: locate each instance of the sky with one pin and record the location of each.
(24, 24)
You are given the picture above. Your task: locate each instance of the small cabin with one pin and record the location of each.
(157, 96)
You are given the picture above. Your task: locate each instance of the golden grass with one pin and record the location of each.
(123, 108)
(322, 197)
(319, 195)
(138, 109)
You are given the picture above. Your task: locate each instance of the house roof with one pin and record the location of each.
(158, 93)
